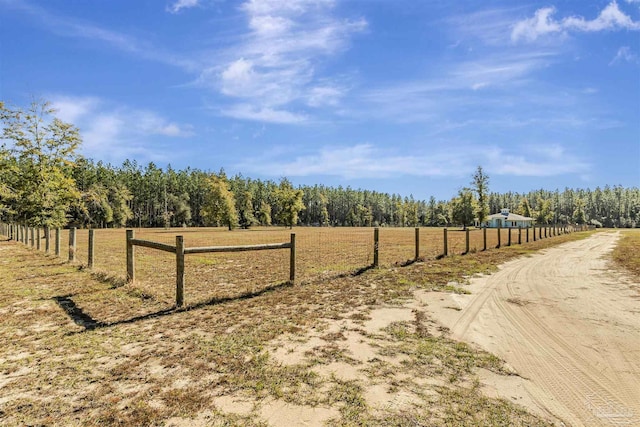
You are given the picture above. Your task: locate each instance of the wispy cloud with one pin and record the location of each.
(490, 81)
(536, 161)
(490, 26)
(543, 23)
(367, 161)
(66, 26)
(117, 132)
(274, 64)
(178, 5)
(263, 114)
(625, 54)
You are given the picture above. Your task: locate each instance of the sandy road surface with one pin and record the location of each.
(564, 322)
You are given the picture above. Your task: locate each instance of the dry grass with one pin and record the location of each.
(627, 252)
(81, 350)
(322, 253)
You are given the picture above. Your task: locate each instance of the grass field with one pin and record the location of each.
(627, 253)
(77, 350)
(321, 253)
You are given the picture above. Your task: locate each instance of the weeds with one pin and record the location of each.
(144, 362)
(627, 252)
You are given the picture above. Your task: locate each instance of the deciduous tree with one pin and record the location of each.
(219, 206)
(463, 208)
(289, 202)
(44, 149)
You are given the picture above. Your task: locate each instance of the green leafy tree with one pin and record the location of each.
(219, 206)
(264, 214)
(524, 209)
(8, 171)
(463, 208)
(544, 212)
(480, 185)
(44, 149)
(245, 210)
(289, 202)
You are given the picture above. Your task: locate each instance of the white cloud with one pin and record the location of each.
(69, 27)
(490, 26)
(73, 109)
(367, 161)
(490, 81)
(625, 54)
(320, 96)
(532, 28)
(539, 161)
(178, 5)
(116, 132)
(263, 114)
(276, 61)
(543, 23)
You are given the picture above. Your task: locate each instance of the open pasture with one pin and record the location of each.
(320, 253)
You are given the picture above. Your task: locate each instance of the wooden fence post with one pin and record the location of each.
(38, 232)
(446, 248)
(292, 259)
(528, 234)
(499, 237)
(130, 256)
(519, 234)
(484, 238)
(545, 231)
(179, 271)
(417, 244)
(509, 238)
(32, 236)
(72, 244)
(47, 239)
(57, 243)
(91, 247)
(466, 243)
(376, 247)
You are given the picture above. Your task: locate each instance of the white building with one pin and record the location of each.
(505, 219)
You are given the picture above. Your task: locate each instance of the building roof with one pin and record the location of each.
(509, 217)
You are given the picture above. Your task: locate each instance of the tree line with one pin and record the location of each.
(45, 182)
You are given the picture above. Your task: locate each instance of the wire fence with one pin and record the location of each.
(320, 253)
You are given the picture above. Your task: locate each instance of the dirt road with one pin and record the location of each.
(567, 324)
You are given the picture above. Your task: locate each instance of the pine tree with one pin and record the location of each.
(480, 185)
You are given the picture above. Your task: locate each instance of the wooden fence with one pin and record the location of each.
(180, 251)
(405, 250)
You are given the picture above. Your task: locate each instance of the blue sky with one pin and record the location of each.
(402, 96)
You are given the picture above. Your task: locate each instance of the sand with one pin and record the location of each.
(566, 322)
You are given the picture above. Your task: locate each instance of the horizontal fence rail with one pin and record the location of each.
(245, 248)
(180, 251)
(152, 245)
(322, 252)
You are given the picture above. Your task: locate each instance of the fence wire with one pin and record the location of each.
(321, 253)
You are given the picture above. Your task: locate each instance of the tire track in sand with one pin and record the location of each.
(568, 324)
